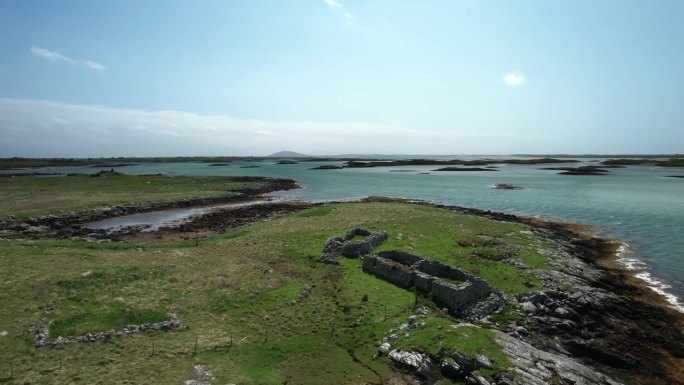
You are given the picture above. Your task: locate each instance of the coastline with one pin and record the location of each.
(656, 359)
(646, 329)
(609, 254)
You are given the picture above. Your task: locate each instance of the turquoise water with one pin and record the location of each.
(638, 205)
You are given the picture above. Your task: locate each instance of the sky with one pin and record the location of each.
(251, 77)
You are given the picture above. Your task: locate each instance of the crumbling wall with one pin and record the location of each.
(391, 271)
(337, 247)
(441, 270)
(457, 296)
(447, 285)
(403, 257)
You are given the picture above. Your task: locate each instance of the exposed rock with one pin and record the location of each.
(529, 307)
(483, 361)
(326, 167)
(305, 293)
(539, 367)
(507, 186)
(412, 360)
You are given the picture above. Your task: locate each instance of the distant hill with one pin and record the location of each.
(288, 154)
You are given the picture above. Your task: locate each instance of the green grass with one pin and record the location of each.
(441, 334)
(115, 319)
(31, 195)
(238, 294)
(506, 315)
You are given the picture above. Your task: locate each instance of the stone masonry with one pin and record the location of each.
(447, 285)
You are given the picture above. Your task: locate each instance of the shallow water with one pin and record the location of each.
(638, 205)
(154, 220)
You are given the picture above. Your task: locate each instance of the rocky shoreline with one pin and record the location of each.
(611, 321)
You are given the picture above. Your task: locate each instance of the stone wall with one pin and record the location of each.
(457, 296)
(394, 272)
(442, 270)
(336, 247)
(446, 285)
(402, 257)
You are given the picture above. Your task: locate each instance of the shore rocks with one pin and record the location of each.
(507, 186)
(536, 366)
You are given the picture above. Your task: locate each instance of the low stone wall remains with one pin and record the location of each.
(41, 337)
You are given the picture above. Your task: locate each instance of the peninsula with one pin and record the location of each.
(379, 291)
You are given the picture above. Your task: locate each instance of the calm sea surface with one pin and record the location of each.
(641, 206)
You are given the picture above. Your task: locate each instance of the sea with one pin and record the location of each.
(639, 205)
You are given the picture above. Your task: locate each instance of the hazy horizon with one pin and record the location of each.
(327, 77)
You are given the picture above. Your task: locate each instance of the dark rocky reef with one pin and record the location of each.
(223, 220)
(507, 186)
(104, 165)
(326, 167)
(583, 170)
(455, 162)
(465, 169)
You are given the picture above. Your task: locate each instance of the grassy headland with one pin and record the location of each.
(237, 292)
(240, 293)
(31, 195)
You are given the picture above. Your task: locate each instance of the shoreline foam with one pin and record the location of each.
(625, 257)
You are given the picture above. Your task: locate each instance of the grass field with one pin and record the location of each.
(237, 294)
(31, 195)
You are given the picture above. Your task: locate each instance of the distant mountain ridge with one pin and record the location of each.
(288, 154)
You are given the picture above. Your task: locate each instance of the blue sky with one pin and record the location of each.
(133, 78)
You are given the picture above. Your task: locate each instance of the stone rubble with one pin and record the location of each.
(41, 335)
(337, 247)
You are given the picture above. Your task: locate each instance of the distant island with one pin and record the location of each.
(288, 154)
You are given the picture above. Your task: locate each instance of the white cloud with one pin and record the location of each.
(333, 4)
(58, 57)
(94, 65)
(51, 55)
(44, 128)
(514, 79)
